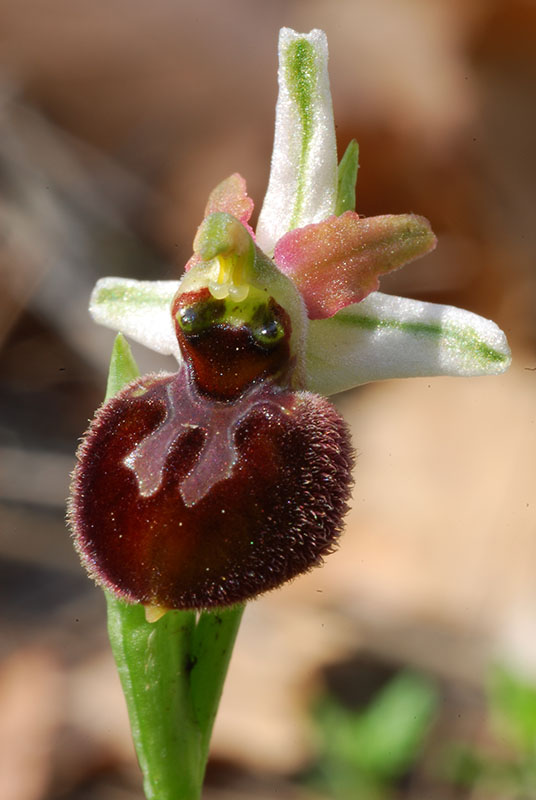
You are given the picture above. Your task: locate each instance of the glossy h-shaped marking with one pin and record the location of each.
(186, 408)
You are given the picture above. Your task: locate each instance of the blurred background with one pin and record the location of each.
(406, 667)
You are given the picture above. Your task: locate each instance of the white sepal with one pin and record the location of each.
(303, 177)
(392, 337)
(139, 309)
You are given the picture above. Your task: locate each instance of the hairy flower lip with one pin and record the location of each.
(276, 515)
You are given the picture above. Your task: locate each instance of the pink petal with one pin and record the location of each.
(193, 261)
(231, 196)
(337, 262)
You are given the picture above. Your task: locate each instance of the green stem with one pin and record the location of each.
(212, 646)
(153, 662)
(172, 671)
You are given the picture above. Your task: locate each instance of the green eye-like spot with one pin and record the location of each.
(270, 333)
(200, 316)
(266, 327)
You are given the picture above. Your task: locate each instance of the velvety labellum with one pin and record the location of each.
(181, 501)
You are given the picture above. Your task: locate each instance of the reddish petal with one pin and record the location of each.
(270, 514)
(193, 261)
(231, 196)
(337, 262)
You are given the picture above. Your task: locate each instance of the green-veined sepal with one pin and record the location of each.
(139, 309)
(382, 337)
(303, 177)
(393, 337)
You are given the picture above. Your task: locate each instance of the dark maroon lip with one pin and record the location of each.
(246, 524)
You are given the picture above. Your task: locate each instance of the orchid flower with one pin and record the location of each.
(198, 490)
(355, 334)
(215, 456)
